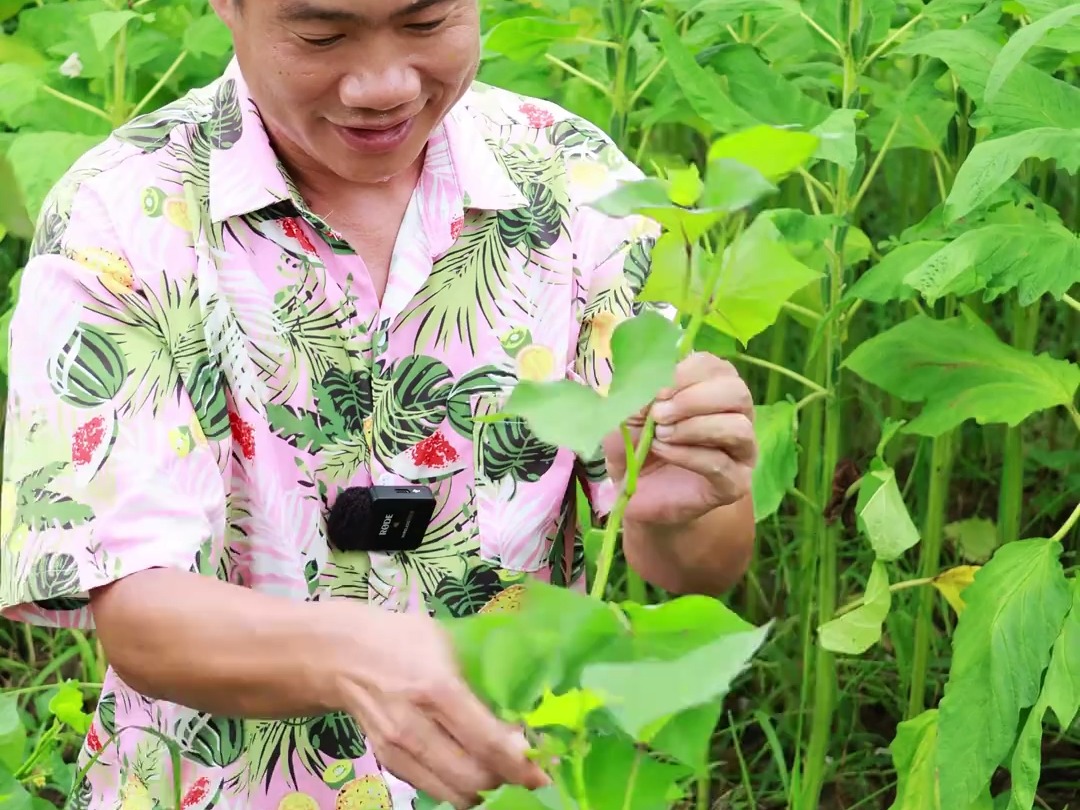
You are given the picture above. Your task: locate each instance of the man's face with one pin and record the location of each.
(354, 88)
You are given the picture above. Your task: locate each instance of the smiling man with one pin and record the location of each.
(307, 278)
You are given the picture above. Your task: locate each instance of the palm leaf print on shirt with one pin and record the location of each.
(410, 404)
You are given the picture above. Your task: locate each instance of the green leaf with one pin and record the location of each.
(1035, 261)
(1020, 43)
(836, 138)
(526, 39)
(778, 457)
(760, 276)
(858, 630)
(67, 705)
(914, 751)
(641, 693)
(515, 797)
(884, 282)
(774, 152)
(107, 24)
(568, 710)
(208, 36)
(977, 538)
(12, 734)
(1015, 611)
(992, 162)
(618, 776)
(9, 8)
(40, 159)
(962, 371)
(14, 50)
(644, 352)
(634, 197)
(679, 626)
(703, 90)
(1061, 690)
(731, 185)
(13, 796)
(882, 515)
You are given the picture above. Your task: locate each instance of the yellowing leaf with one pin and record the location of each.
(568, 710)
(951, 584)
(773, 152)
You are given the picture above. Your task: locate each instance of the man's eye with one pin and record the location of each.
(426, 26)
(322, 42)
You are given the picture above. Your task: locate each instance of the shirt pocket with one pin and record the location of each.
(520, 486)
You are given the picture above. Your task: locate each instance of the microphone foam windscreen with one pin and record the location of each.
(349, 518)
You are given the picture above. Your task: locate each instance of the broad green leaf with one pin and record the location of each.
(914, 755)
(884, 282)
(913, 116)
(836, 138)
(1020, 43)
(39, 159)
(107, 24)
(644, 352)
(669, 273)
(1002, 643)
(633, 197)
(207, 35)
(526, 39)
(977, 538)
(952, 583)
(618, 776)
(961, 370)
(774, 152)
(14, 50)
(1033, 261)
(993, 162)
(731, 185)
(761, 274)
(9, 8)
(13, 796)
(568, 710)
(882, 515)
(12, 734)
(1061, 692)
(1062, 685)
(951, 9)
(67, 705)
(515, 797)
(703, 90)
(688, 736)
(778, 457)
(641, 693)
(685, 185)
(858, 630)
(679, 626)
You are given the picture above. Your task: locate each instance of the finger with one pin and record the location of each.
(717, 395)
(728, 476)
(698, 367)
(731, 432)
(497, 746)
(407, 740)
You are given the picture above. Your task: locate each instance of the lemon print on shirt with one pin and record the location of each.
(365, 793)
(113, 269)
(156, 203)
(535, 362)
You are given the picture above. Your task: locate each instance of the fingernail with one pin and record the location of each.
(666, 393)
(664, 431)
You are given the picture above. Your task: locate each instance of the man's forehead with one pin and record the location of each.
(352, 10)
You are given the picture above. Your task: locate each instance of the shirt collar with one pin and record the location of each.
(249, 176)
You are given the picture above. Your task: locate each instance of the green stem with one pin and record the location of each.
(573, 71)
(1068, 526)
(1068, 299)
(1011, 492)
(929, 565)
(778, 369)
(74, 102)
(168, 74)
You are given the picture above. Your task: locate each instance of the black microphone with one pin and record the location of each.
(388, 519)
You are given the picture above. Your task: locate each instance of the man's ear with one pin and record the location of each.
(227, 10)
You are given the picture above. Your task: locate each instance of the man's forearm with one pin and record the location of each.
(707, 556)
(224, 649)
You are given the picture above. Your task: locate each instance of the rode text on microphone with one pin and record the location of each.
(387, 519)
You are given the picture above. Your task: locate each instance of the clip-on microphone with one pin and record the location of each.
(387, 519)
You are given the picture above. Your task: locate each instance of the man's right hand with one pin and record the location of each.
(422, 721)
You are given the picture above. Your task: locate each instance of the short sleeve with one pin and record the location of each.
(612, 260)
(107, 470)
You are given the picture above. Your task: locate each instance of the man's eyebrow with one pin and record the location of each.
(303, 11)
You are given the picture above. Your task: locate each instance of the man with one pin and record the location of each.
(310, 276)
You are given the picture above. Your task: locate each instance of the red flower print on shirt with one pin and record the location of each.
(243, 435)
(456, 227)
(293, 230)
(434, 451)
(93, 742)
(536, 116)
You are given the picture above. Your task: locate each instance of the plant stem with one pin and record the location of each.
(894, 588)
(929, 564)
(74, 102)
(1068, 299)
(1011, 493)
(778, 369)
(1068, 526)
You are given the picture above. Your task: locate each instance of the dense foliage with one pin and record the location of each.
(872, 208)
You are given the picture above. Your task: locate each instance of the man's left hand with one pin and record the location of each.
(704, 450)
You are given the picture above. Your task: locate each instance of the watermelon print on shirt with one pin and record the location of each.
(199, 365)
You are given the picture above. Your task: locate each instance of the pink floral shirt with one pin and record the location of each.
(199, 366)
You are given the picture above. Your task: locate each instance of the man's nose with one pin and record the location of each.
(385, 82)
